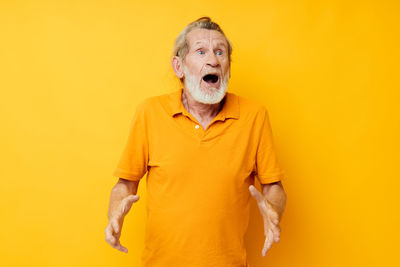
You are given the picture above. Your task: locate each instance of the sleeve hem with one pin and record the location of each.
(267, 179)
(127, 175)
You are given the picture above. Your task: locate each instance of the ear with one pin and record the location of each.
(177, 66)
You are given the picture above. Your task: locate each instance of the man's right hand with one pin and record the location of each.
(113, 229)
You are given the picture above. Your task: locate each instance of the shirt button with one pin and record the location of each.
(197, 126)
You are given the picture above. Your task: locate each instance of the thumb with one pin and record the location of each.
(255, 193)
(132, 198)
(127, 203)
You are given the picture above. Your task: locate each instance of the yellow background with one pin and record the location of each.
(72, 72)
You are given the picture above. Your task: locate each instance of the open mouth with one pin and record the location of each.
(211, 78)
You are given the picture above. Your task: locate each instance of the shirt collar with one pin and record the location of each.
(230, 109)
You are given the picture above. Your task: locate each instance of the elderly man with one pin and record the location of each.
(202, 147)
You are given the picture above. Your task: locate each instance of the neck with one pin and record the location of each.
(200, 110)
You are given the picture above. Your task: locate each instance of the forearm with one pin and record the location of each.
(276, 195)
(121, 190)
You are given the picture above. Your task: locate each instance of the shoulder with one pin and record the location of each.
(152, 103)
(251, 107)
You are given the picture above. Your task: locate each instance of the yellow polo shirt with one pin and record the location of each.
(197, 182)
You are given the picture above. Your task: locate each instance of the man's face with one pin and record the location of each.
(206, 65)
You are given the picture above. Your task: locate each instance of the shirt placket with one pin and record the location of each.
(198, 129)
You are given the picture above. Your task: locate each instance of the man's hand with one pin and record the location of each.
(271, 219)
(113, 229)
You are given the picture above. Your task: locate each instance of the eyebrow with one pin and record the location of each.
(199, 42)
(219, 43)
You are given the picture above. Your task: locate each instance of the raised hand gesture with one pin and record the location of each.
(271, 219)
(113, 229)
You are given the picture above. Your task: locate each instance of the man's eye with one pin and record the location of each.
(200, 52)
(219, 53)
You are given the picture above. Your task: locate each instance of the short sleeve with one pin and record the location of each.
(134, 159)
(267, 167)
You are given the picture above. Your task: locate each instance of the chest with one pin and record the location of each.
(224, 148)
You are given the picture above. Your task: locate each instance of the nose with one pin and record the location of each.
(212, 60)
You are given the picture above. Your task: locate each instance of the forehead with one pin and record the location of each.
(205, 36)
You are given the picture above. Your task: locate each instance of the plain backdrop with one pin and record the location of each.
(72, 72)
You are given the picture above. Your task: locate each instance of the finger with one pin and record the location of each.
(122, 248)
(271, 222)
(272, 214)
(267, 226)
(111, 240)
(110, 237)
(270, 239)
(260, 200)
(117, 245)
(114, 242)
(256, 194)
(276, 230)
(127, 202)
(132, 198)
(265, 247)
(263, 210)
(268, 242)
(115, 226)
(109, 231)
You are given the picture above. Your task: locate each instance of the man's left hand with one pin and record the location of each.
(271, 219)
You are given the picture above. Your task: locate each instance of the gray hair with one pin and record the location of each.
(181, 45)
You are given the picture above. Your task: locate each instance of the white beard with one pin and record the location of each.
(192, 84)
